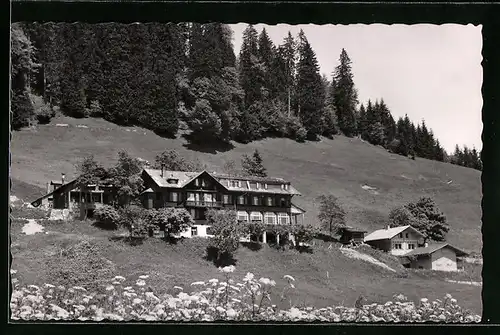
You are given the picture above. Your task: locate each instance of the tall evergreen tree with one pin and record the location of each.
(345, 95)
(250, 74)
(253, 165)
(310, 90)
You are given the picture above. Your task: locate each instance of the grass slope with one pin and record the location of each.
(324, 278)
(340, 167)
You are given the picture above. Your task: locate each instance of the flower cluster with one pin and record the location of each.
(212, 300)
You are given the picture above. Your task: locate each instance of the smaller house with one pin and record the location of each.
(351, 235)
(397, 240)
(439, 257)
(65, 196)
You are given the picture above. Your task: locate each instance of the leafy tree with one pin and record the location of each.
(303, 234)
(172, 161)
(136, 220)
(331, 214)
(230, 168)
(226, 230)
(90, 172)
(253, 165)
(423, 215)
(205, 124)
(107, 216)
(171, 220)
(23, 65)
(345, 95)
(125, 177)
(44, 113)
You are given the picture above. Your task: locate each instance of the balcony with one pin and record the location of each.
(204, 204)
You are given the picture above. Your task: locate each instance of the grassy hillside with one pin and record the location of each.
(341, 167)
(325, 277)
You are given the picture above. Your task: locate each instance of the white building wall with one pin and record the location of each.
(405, 239)
(444, 259)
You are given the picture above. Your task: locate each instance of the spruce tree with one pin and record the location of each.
(345, 95)
(310, 90)
(253, 165)
(250, 74)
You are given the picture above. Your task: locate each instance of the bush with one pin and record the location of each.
(248, 299)
(171, 220)
(44, 113)
(295, 129)
(81, 264)
(227, 231)
(135, 219)
(107, 217)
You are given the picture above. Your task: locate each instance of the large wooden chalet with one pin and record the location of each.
(267, 200)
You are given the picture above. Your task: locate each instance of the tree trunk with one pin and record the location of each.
(288, 101)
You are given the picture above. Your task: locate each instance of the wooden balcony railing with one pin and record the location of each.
(212, 204)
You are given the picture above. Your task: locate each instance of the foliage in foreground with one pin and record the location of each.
(246, 300)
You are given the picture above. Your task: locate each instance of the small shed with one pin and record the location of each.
(351, 234)
(439, 257)
(147, 198)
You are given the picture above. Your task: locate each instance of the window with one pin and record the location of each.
(283, 202)
(269, 201)
(203, 183)
(197, 182)
(194, 231)
(406, 235)
(397, 245)
(265, 186)
(174, 196)
(227, 199)
(256, 201)
(234, 183)
(243, 216)
(411, 246)
(241, 200)
(258, 185)
(270, 218)
(209, 230)
(256, 216)
(400, 235)
(96, 197)
(283, 218)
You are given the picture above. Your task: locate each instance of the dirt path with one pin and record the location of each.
(351, 253)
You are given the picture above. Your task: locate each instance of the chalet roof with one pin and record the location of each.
(249, 178)
(387, 234)
(149, 190)
(297, 210)
(350, 229)
(185, 178)
(56, 190)
(433, 248)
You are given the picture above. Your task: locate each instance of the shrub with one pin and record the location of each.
(81, 264)
(135, 219)
(171, 220)
(295, 129)
(107, 217)
(44, 113)
(248, 299)
(226, 230)
(303, 233)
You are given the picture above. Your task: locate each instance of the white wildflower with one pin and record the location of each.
(231, 313)
(120, 278)
(79, 288)
(140, 282)
(235, 300)
(265, 281)
(196, 283)
(115, 282)
(249, 276)
(227, 269)
(110, 288)
(289, 277)
(212, 281)
(136, 301)
(178, 288)
(128, 288)
(13, 272)
(34, 287)
(424, 300)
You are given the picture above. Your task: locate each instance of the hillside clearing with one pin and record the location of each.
(335, 167)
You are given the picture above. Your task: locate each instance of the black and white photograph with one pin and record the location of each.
(207, 172)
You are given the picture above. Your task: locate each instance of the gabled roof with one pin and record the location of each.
(56, 190)
(296, 209)
(433, 248)
(387, 234)
(352, 229)
(149, 190)
(183, 177)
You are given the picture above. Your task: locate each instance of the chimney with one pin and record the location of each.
(426, 245)
(162, 170)
(62, 178)
(388, 226)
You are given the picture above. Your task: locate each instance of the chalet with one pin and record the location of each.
(255, 199)
(397, 240)
(64, 197)
(351, 235)
(439, 256)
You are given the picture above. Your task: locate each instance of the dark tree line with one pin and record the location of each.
(165, 77)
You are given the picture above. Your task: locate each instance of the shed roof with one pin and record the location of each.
(433, 248)
(350, 229)
(387, 234)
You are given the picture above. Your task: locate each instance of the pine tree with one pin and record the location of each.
(253, 165)
(250, 74)
(387, 122)
(329, 115)
(345, 95)
(362, 124)
(310, 90)
(266, 51)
